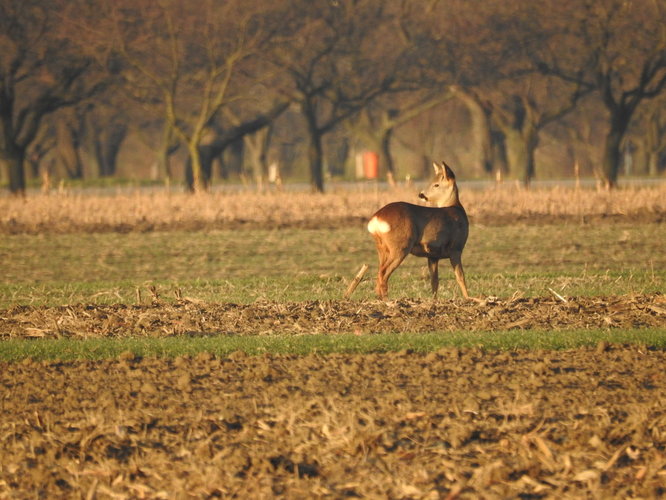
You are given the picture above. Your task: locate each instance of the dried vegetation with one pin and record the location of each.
(184, 317)
(585, 423)
(68, 212)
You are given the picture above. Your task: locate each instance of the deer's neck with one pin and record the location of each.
(450, 201)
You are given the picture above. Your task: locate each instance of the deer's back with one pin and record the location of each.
(438, 229)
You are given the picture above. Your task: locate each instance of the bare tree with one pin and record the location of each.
(40, 72)
(333, 65)
(652, 136)
(461, 47)
(519, 101)
(376, 123)
(223, 137)
(484, 53)
(88, 138)
(519, 113)
(616, 48)
(189, 56)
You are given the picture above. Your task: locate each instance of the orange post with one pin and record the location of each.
(371, 165)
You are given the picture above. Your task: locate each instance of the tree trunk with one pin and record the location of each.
(231, 161)
(163, 170)
(315, 159)
(653, 163)
(611, 160)
(481, 131)
(198, 184)
(91, 139)
(68, 150)
(521, 146)
(14, 161)
(4, 171)
(653, 142)
(635, 156)
(257, 146)
(315, 148)
(165, 150)
(385, 157)
(498, 162)
(110, 147)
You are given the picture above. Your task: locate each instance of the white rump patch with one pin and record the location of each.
(376, 225)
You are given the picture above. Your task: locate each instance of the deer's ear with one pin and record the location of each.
(439, 170)
(448, 172)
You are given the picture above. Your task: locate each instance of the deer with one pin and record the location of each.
(438, 231)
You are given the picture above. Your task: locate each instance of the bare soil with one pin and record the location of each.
(265, 318)
(584, 423)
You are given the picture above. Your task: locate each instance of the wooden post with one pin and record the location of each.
(359, 276)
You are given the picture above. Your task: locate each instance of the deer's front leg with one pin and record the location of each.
(433, 267)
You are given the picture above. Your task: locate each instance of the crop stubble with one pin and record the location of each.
(159, 319)
(448, 424)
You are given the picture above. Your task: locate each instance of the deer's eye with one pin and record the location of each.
(436, 185)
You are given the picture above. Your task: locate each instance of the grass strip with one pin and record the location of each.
(108, 348)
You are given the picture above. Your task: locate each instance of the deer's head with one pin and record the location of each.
(443, 192)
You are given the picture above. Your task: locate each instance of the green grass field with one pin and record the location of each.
(295, 265)
(68, 349)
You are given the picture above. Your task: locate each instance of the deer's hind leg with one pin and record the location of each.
(389, 260)
(456, 263)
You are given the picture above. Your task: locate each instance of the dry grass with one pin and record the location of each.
(67, 212)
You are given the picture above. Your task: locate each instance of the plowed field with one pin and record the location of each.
(266, 318)
(449, 424)
(585, 423)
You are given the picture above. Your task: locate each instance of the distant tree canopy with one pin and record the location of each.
(86, 74)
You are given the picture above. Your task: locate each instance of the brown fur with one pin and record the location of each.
(435, 232)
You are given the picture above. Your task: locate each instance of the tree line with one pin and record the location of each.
(202, 76)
